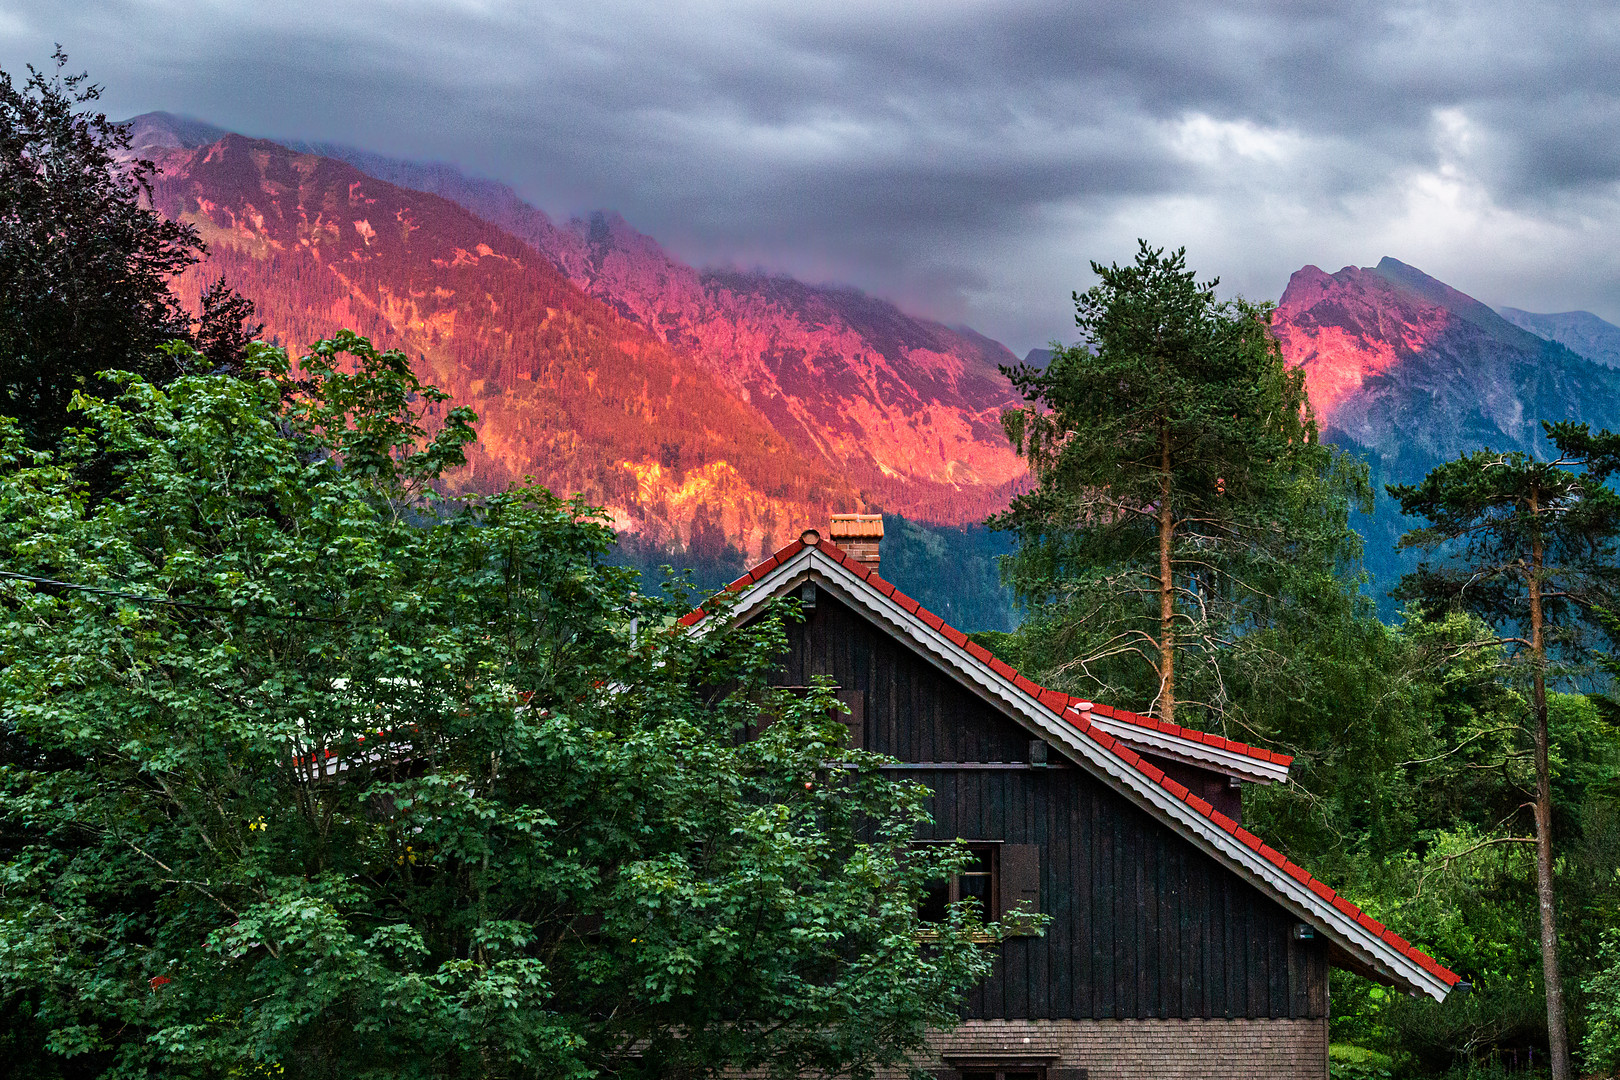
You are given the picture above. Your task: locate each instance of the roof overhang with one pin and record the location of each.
(1176, 748)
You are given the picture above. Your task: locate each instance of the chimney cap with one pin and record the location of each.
(857, 527)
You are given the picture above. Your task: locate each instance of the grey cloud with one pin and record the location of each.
(965, 158)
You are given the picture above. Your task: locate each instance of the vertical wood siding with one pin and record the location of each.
(1143, 924)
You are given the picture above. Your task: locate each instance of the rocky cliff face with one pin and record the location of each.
(908, 409)
(566, 388)
(1408, 372)
(1402, 364)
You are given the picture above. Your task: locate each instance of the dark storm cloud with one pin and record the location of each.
(966, 158)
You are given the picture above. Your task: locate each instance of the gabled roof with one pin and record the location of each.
(1086, 738)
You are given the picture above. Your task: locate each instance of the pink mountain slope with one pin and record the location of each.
(906, 408)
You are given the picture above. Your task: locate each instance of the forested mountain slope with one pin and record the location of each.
(907, 408)
(567, 389)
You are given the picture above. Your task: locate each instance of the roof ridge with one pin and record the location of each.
(1060, 704)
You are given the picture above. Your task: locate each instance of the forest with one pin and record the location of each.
(225, 575)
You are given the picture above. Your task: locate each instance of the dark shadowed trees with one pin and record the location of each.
(84, 261)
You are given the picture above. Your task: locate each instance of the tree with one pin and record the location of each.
(225, 327)
(85, 262)
(311, 771)
(1528, 547)
(1180, 487)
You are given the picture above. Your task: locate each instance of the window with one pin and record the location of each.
(1040, 1068)
(1002, 880)
(975, 882)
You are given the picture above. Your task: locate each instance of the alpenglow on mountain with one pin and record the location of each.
(692, 404)
(720, 411)
(1408, 372)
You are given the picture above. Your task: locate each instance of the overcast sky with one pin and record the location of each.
(964, 159)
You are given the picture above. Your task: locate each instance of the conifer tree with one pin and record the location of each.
(1179, 485)
(1528, 546)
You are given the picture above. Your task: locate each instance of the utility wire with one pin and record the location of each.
(162, 600)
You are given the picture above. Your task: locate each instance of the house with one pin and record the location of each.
(1180, 944)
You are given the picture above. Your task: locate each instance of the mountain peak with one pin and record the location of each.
(154, 131)
(1439, 293)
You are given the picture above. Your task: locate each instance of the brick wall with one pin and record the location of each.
(1146, 1049)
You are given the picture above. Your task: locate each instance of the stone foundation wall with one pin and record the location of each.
(1142, 1049)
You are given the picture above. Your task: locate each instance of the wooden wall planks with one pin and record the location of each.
(1144, 925)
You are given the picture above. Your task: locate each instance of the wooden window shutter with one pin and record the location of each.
(1020, 882)
(855, 719)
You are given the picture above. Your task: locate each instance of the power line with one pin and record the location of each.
(162, 600)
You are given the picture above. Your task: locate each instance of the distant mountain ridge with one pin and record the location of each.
(566, 389)
(907, 408)
(793, 400)
(1579, 331)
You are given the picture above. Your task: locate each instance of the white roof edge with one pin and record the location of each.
(1341, 928)
(1150, 741)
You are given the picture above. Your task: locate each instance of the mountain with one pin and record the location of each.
(906, 408)
(1580, 331)
(1408, 372)
(566, 388)
(1407, 366)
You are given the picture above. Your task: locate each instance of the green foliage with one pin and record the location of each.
(1350, 1062)
(1602, 1043)
(309, 771)
(1529, 548)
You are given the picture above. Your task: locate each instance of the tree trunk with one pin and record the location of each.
(1167, 595)
(1557, 1030)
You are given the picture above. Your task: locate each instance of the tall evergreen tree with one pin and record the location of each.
(1180, 486)
(1528, 546)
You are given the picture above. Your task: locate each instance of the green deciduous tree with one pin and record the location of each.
(1182, 498)
(309, 771)
(1528, 547)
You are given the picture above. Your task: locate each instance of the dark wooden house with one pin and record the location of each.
(1179, 944)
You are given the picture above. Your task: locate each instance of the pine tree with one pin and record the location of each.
(1528, 546)
(1180, 487)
